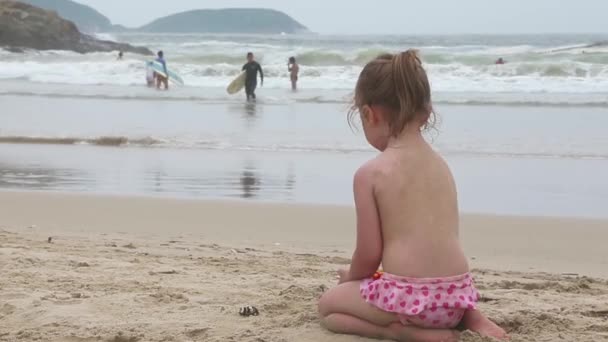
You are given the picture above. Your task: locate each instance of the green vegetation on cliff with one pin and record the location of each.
(23, 26)
(86, 18)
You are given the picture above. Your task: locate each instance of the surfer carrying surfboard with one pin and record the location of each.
(160, 79)
(251, 69)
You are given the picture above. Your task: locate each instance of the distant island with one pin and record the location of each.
(23, 26)
(236, 20)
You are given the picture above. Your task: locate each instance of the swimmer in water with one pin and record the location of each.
(294, 70)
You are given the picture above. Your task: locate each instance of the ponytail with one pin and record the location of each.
(412, 87)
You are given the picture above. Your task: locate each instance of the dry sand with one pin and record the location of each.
(144, 269)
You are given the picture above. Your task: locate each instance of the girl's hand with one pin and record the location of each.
(343, 276)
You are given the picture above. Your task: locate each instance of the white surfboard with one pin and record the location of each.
(238, 84)
(158, 68)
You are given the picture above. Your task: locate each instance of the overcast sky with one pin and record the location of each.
(394, 16)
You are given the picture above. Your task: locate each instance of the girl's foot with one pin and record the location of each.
(476, 322)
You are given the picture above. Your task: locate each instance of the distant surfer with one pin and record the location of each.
(500, 61)
(251, 80)
(120, 55)
(294, 70)
(160, 79)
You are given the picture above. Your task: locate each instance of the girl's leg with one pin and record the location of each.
(343, 311)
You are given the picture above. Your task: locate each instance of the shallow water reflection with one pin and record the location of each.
(518, 186)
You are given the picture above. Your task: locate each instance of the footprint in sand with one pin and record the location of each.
(6, 310)
(64, 299)
(121, 338)
(198, 334)
(596, 314)
(163, 297)
(117, 338)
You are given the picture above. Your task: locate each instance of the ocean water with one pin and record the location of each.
(541, 69)
(525, 138)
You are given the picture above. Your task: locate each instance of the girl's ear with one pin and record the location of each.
(373, 114)
(365, 113)
(369, 115)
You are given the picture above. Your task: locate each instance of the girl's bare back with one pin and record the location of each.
(417, 204)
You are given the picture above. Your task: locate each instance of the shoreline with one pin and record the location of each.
(487, 185)
(156, 269)
(280, 96)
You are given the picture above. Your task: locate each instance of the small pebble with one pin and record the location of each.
(248, 311)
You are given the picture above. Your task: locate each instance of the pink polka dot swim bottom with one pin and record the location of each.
(438, 303)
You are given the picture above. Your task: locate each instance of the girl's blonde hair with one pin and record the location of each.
(399, 83)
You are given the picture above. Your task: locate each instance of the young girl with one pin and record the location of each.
(407, 220)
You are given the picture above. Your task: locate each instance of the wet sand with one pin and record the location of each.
(152, 269)
(497, 185)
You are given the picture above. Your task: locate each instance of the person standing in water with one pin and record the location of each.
(120, 55)
(160, 79)
(294, 70)
(150, 75)
(251, 81)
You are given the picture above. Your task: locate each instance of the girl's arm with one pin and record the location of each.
(368, 252)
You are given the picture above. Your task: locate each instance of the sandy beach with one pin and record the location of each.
(159, 269)
(129, 214)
